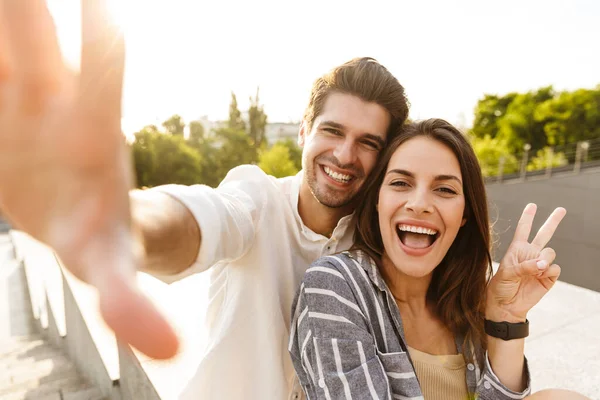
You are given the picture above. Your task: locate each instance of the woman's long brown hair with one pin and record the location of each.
(458, 285)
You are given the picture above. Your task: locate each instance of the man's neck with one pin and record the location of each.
(318, 217)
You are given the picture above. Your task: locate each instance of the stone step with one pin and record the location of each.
(31, 368)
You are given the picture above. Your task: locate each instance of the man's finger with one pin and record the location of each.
(35, 51)
(5, 52)
(524, 226)
(135, 320)
(547, 230)
(102, 65)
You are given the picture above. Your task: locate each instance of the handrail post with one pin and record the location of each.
(524, 160)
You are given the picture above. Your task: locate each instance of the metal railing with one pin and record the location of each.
(544, 162)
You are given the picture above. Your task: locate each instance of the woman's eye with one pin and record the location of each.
(447, 190)
(398, 183)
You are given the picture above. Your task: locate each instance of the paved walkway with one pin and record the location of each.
(563, 348)
(30, 368)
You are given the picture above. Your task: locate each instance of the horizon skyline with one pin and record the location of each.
(187, 57)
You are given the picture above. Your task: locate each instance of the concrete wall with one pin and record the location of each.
(577, 240)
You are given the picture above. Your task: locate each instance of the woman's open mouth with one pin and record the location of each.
(416, 237)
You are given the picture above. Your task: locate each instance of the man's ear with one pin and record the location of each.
(302, 133)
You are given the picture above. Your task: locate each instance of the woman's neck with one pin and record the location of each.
(423, 329)
(410, 292)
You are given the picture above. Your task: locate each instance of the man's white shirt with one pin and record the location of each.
(257, 249)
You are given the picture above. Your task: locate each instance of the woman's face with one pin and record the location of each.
(421, 205)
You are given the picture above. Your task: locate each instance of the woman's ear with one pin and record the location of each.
(464, 221)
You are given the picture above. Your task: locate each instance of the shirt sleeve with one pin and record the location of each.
(332, 350)
(227, 216)
(489, 386)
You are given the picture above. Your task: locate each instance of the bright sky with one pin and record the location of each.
(186, 56)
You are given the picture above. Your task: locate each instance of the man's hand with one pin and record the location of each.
(526, 272)
(65, 169)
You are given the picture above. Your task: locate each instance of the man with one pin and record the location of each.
(258, 234)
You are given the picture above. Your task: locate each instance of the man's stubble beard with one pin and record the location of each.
(327, 199)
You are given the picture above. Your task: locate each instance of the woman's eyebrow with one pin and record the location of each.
(437, 178)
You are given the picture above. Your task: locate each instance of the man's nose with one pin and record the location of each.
(345, 152)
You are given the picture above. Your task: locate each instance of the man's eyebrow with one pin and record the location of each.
(332, 124)
(375, 138)
(437, 178)
(341, 127)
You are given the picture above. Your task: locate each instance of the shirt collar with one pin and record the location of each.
(345, 224)
(370, 267)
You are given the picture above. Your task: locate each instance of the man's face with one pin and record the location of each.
(342, 147)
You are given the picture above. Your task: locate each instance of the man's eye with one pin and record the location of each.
(371, 145)
(332, 131)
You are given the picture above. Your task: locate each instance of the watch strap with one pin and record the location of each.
(507, 330)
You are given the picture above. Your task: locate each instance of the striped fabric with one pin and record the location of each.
(347, 339)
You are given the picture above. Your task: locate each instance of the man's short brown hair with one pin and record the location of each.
(365, 78)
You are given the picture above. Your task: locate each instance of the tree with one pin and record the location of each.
(295, 152)
(232, 148)
(571, 116)
(276, 161)
(257, 122)
(174, 125)
(162, 158)
(545, 158)
(196, 131)
(488, 112)
(519, 125)
(490, 151)
(235, 122)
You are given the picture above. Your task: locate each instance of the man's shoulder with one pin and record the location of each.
(252, 174)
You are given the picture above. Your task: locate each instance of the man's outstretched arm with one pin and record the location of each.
(65, 169)
(169, 232)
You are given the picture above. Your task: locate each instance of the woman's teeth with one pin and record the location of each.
(416, 229)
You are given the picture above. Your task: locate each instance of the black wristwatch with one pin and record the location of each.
(507, 330)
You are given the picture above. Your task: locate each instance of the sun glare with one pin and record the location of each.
(121, 12)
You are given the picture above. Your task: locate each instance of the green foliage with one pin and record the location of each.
(519, 126)
(232, 148)
(571, 116)
(235, 122)
(196, 132)
(277, 162)
(539, 118)
(490, 151)
(160, 158)
(295, 152)
(257, 122)
(488, 112)
(174, 125)
(545, 158)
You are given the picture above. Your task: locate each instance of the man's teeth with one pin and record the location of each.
(417, 229)
(338, 177)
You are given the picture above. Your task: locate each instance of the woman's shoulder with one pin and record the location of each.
(339, 269)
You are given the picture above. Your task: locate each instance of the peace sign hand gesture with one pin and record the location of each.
(526, 272)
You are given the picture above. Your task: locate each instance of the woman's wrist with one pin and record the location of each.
(501, 314)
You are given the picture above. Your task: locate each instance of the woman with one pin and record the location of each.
(403, 314)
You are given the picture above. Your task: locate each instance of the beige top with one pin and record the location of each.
(440, 377)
